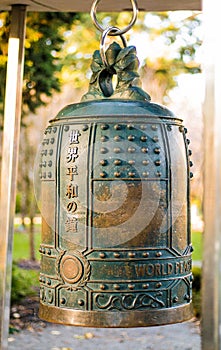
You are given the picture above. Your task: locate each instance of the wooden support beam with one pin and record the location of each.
(104, 5)
(11, 132)
(211, 281)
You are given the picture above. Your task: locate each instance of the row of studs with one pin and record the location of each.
(129, 286)
(105, 162)
(131, 138)
(46, 175)
(129, 254)
(131, 174)
(49, 130)
(46, 152)
(104, 150)
(129, 126)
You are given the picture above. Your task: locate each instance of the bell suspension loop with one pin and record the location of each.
(119, 31)
(105, 33)
(114, 61)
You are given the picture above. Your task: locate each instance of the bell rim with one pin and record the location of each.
(119, 319)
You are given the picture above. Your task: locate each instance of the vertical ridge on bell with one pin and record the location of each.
(90, 169)
(57, 151)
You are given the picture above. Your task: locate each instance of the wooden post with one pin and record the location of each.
(11, 132)
(211, 281)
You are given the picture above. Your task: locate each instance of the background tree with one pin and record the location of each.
(167, 46)
(176, 40)
(44, 39)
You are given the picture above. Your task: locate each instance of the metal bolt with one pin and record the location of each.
(117, 174)
(117, 138)
(85, 127)
(116, 286)
(103, 162)
(157, 150)
(158, 254)
(143, 138)
(157, 162)
(131, 162)
(103, 150)
(175, 299)
(104, 138)
(131, 149)
(131, 255)
(131, 174)
(156, 139)
(117, 127)
(103, 174)
(130, 126)
(158, 285)
(145, 173)
(131, 286)
(80, 302)
(117, 162)
(131, 138)
(102, 287)
(104, 126)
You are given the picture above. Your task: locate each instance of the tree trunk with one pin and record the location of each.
(32, 239)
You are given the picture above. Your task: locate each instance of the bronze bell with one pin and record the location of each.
(114, 171)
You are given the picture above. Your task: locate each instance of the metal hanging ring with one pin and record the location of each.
(109, 31)
(119, 31)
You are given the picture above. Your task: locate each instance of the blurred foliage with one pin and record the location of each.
(59, 47)
(197, 276)
(24, 283)
(179, 39)
(44, 39)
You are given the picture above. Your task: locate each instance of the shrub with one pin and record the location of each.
(24, 283)
(197, 275)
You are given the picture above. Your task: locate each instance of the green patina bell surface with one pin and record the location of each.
(114, 171)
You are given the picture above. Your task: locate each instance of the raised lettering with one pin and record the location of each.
(150, 270)
(164, 273)
(72, 172)
(140, 270)
(71, 224)
(170, 268)
(177, 267)
(74, 135)
(157, 270)
(72, 154)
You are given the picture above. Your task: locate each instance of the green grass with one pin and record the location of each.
(21, 244)
(197, 242)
